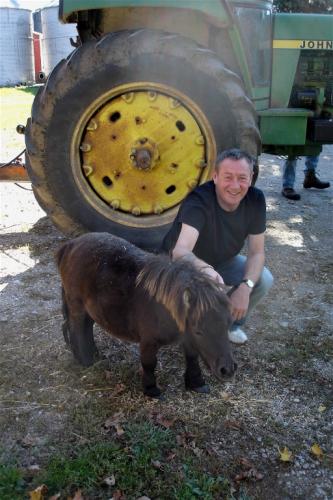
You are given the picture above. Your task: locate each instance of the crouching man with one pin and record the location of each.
(211, 227)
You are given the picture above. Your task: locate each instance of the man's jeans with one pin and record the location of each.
(232, 273)
(289, 169)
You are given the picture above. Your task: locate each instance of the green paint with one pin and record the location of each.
(214, 8)
(303, 26)
(284, 126)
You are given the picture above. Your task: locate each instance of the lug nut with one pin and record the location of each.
(115, 204)
(129, 97)
(85, 147)
(152, 96)
(201, 164)
(136, 211)
(158, 209)
(174, 103)
(192, 183)
(87, 169)
(200, 140)
(92, 125)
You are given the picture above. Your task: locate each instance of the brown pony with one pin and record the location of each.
(144, 298)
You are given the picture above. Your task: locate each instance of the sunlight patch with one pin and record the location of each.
(16, 260)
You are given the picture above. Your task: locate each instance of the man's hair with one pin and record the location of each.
(234, 154)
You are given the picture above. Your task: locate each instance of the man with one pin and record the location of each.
(211, 228)
(310, 178)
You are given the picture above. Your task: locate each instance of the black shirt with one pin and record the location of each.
(222, 234)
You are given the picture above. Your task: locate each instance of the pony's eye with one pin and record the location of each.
(198, 333)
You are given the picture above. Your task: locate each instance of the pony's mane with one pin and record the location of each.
(181, 287)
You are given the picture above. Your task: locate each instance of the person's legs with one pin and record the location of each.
(310, 176)
(288, 179)
(232, 273)
(289, 172)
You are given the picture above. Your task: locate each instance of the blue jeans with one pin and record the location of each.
(232, 272)
(289, 169)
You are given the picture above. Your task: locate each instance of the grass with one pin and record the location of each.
(145, 460)
(11, 482)
(15, 107)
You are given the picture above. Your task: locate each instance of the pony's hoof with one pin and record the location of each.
(153, 392)
(204, 389)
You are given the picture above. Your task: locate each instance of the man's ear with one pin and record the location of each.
(214, 176)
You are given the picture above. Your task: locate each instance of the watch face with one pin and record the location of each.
(250, 283)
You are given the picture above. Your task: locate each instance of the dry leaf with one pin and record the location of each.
(78, 495)
(232, 424)
(170, 457)
(157, 464)
(164, 421)
(115, 421)
(285, 455)
(317, 451)
(109, 481)
(321, 408)
(39, 493)
(225, 395)
(120, 431)
(197, 452)
(117, 495)
(249, 474)
(34, 468)
(28, 441)
(118, 389)
(246, 462)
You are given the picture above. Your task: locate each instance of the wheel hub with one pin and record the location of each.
(144, 154)
(143, 151)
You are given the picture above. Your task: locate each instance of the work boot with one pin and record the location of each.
(291, 194)
(312, 181)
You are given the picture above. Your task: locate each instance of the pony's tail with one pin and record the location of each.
(59, 254)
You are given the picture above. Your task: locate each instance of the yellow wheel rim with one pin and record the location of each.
(139, 150)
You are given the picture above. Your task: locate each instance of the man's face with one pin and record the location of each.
(232, 181)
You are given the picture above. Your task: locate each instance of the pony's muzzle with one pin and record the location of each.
(225, 371)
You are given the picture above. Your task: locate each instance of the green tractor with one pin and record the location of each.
(132, 120)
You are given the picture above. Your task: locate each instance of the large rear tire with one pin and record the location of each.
(127, 126)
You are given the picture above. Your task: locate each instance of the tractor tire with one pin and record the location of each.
(127, 126)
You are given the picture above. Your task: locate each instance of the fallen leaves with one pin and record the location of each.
(285, 455)
(162, 420)
(39, 493)
(317, 451)
(249, 472)
(109, 481)
(115, 422)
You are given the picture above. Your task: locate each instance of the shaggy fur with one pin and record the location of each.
(144, 298)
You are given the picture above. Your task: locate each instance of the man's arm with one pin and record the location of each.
(183, 249)
(253, 269)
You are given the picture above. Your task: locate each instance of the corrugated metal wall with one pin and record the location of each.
(16, 46)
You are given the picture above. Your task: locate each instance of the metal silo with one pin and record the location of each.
(56, 38)
(16, 45)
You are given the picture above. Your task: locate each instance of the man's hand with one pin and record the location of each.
(210, 271)
(239, 301)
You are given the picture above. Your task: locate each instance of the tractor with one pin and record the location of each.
(133, 119)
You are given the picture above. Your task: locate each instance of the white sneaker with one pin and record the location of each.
(237, 336)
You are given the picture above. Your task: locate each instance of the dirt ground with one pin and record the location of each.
(281, 396)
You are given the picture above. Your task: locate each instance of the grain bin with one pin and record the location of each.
(16, 46)
(56, 38)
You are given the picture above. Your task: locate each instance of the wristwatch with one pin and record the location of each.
(249, 283)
